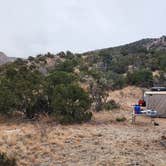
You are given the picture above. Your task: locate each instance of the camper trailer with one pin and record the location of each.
(156, 100)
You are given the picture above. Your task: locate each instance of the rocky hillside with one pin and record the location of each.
(141, 63)
(4, 59)
(132, 59)
(146, 44)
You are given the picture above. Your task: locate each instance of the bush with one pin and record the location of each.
(30, 58)
(40, 106)
(60, 77)
(115, 81)
(6, 161)
(162, 63)
(121, 119)
(70, 104)
(19, 89)
(95, 74)
(111, 105)
(67, 66)
(49, 55)
(8, 101)
(143, 78)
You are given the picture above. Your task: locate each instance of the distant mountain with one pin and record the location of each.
(4, 58)
(149, 44)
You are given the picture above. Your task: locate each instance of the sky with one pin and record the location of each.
(31, 27)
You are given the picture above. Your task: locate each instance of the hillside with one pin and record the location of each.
(146, 54)
(141, 64)
(146, 44)
(118, 63)
(4, 58)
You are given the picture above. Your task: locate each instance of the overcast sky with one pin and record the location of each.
(30, 27)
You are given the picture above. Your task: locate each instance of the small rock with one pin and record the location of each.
(163, 137)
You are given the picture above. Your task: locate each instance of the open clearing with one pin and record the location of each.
(102, 142)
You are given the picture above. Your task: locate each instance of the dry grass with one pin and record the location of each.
(102, 142)
(126, 97)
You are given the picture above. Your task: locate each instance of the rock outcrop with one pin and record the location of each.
(4, 58)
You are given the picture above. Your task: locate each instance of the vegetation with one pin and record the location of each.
(19, 89)
(70, 103)
(121, 119)
(143, 78)
(51, 83)
(111, 105)
(6, 161)
(32, 93)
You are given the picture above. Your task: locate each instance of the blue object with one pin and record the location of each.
(137, 109)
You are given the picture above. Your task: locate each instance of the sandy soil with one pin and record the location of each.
(102, 142)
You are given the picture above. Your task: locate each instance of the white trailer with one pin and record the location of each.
(156, 100)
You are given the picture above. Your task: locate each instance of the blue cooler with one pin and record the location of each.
(137, 109)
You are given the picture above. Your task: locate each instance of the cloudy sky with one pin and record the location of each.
(30, 27)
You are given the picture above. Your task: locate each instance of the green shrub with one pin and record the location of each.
(60, 77)
(162, 62)
(111, 105)
(8, 101)
(49, 55)
(143, 78)
(67, 66)
(31, 58)
(6, 161)
(121, 119)
(40, 106)
(19, 89)
(70, 104)
(115, 81)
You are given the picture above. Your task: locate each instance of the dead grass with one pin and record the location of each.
(102, 142)
(126, 97)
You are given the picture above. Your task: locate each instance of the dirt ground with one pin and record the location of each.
(102, 142)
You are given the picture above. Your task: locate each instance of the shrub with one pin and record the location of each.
(162, 63)
(120, 65)
(50, 55)
(121, 119)
(70, 104)
(30, 58)
(19, 89)
(96, 74)
(40, 106)
(67, 66)
(115, 81)
(8, 101)
(111, 105)
(143, 78)
(60, 77)
(6, 161)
